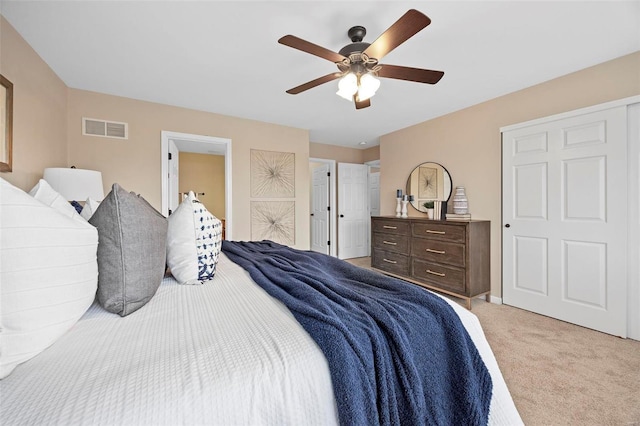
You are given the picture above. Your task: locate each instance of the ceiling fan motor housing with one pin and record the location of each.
(356, 34)
(357, 47)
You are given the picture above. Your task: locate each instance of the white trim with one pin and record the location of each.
(164, 171)
(633, 212)
(333, 234)
(587, 110)
(373, 163)
(492, 299)
(496, 300)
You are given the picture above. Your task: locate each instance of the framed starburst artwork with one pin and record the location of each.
(428, 183)
(272, 174)
(273, 220)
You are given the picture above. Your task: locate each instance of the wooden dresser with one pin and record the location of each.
(447, 256)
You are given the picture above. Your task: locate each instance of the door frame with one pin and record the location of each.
(373, 164)
(633, 194)
(333, 247)
(633, 215)
(203, 140)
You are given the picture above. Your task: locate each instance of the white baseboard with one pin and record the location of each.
(494, 299)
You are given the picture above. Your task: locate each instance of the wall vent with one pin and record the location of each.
(105, 129)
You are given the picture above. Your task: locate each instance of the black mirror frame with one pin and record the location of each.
(444, 170)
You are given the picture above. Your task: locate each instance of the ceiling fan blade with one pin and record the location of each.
(403, 29)
(308, 47)
(410, 74)
(313, 83)
(362, 104)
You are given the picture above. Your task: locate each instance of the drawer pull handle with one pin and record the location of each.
(390, 261)
(436, 251)
(429, 271)
(391, 243)
(429, 231)
(390, 227)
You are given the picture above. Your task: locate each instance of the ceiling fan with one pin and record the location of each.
(358, 61)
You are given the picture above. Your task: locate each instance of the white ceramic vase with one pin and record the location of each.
(460, 202)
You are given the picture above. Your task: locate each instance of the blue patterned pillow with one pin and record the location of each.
(194, 240)
(208, 240)
(76, 205)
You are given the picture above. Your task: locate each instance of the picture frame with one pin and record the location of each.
(428, 183)
(273, 220)
(6, 124)
(272, 174)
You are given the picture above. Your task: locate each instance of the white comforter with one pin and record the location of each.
(221, 353)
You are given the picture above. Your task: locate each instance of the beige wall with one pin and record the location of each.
(39, 110)
(204, 173)
(343, 154)
(467, 142)
(371, 154)
(340, 154)
(48, 133)
(135, 163)
(47, 114)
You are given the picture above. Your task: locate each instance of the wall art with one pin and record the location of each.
(428, 183)
(273, 220)
(272, 174)
(6, 124)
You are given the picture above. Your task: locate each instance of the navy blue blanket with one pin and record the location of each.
(398, 355)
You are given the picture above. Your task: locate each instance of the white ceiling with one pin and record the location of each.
(223, 57)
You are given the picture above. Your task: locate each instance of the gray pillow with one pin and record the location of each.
(132, 238)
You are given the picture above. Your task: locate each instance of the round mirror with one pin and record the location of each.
(428, 182)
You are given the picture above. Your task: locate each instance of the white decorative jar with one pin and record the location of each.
(460, 202)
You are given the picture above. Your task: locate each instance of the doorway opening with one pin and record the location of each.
(172, 143)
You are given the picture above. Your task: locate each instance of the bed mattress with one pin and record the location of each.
(221, 353)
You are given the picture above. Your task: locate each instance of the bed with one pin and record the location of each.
(223, 352)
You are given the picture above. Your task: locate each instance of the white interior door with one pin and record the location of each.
(374, 193)
(174, 173)
(565, 219)
(320, 209)
(353, 211)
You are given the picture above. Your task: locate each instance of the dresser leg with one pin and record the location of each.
(469, 303)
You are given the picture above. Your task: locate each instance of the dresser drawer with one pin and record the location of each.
(445, 277)
(398, 227)
(395, 263)
(439, 251)
(439, 231)
(391, 242)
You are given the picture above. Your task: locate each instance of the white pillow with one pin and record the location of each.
(194, 240)
(89, 208)
(48, 274)
(44, 193)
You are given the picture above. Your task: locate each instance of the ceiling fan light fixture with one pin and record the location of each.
(361, 60)
(347, 86)
(368, 86)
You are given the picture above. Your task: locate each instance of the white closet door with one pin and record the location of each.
(565, 219)
(354, 220)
